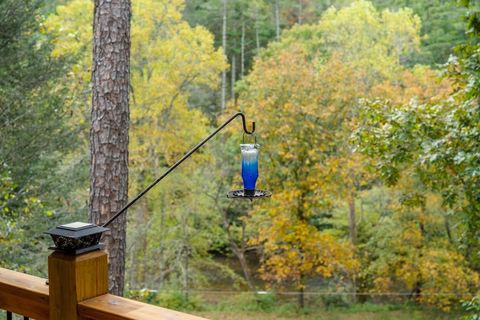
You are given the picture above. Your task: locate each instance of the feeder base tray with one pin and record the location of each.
(241, 194)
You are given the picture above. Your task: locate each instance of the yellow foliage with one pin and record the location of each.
(403, 257)
(295, 250)
(167, 58)
(420, 83)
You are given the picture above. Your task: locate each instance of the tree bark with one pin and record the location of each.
(233, 77)
(109, 131)
(242, 57)
(239, 249)
(240, 254)
(138, 250)
(352, 220)
(446, 223)
(224, 46)
(301, 294)
(257, 35)
(300, 12)
(277, 20)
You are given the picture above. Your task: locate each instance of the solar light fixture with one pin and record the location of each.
(78, 237)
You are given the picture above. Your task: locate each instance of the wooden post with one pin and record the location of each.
(73, 279)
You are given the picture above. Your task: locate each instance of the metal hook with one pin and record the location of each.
(244, 123)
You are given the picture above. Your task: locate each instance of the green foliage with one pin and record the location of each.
(436, 144)
(473, 309)
(175, 300)
(438, 141)
(178, 301)
(443, 27)
(249, 302)
(409, 252)
(35, 136)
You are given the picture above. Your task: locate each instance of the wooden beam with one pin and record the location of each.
(24, 294)
(73, 279)
(111, 307)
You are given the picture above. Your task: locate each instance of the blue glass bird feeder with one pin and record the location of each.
(249, 174)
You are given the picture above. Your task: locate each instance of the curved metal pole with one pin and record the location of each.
(176, 164)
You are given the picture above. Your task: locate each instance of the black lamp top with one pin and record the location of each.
(76, 230)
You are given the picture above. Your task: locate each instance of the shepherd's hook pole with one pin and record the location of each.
(186, 156)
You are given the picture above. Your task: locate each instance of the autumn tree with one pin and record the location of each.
(435, 143)
(294, 244)
(412, 250)
(305, 90)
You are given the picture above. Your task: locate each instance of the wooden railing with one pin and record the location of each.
(23, 294)
(77, 290)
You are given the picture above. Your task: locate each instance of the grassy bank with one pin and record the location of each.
(328, 315)
(268, 307)
(286, 311)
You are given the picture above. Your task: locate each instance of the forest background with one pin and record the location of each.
(367, 116)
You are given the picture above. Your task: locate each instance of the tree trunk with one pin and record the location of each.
(277, 20)
(224, 46)
(257, 35)
(446, 223)
(109, 132)
(185, 252)
(138, 250)
(239, 249)
(301, 294)
(242, 57)
(352, 220)
(300, 12)
(353, 239)
(240, 254)
(233, 77)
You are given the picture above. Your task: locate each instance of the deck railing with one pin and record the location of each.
(77, 290)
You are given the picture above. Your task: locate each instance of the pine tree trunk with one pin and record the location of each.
(109, 132)
(224, 46)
